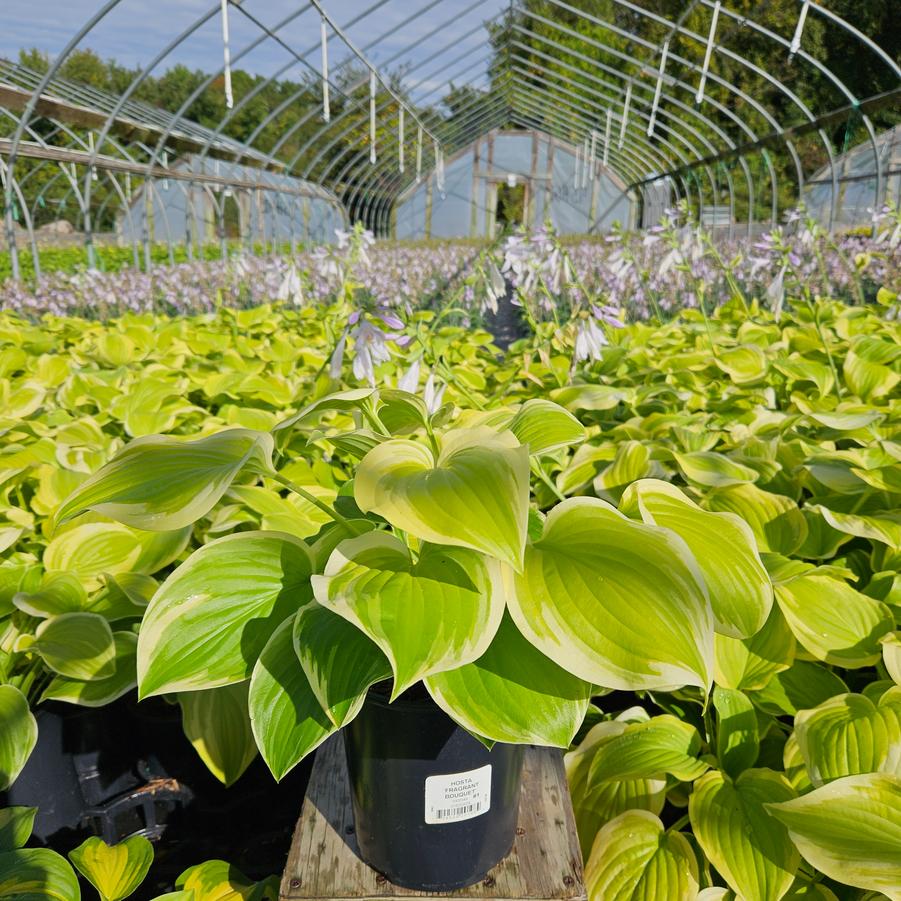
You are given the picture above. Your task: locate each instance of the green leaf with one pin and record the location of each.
(427, 616)
(114, 870)
(723, 546)
(217, 880)
(745, 364)
(802, 685)
(589, 397)
(632, 462)
(545, 426)
(729, 819)
(209, 621)
(76, 645)
(513, 693)
(99, 692)
(713, 470)
(287, 721)
(737, 740)
(891, 654)
(401, 412)
(885, 528)
(779, 526)
(341, 401)
(217, 724)
(613, 601)
(475, 495)
(749, 663)
(37, 874)
(16, 824)
(832, 621)
(340, 661)
(661, 745)
(18, 734)
(850, 829)
(60, 592)
(90, 550)
(633, 857)
(161, 483)
(849, 734)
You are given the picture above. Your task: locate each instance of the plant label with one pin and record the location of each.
(457, 796)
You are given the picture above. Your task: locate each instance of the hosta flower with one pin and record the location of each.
(433, 394)
(409, 381)
(370, 349)
(776, 293)
(590, 341)
(609, 314)
(291, 288)
(337, 361)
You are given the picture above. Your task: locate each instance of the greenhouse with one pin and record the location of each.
(450, 448)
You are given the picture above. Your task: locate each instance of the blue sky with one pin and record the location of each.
(135, 31)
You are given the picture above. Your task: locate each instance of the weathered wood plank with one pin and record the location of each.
(544, 864)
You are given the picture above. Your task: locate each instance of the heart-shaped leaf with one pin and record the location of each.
(114, 870)
(77, 645)
(18, 734)
(849, 734)
(779, 526)
(88, 551)
(513, 693)
(723, 546)
(737, 738)
(749, 663)
(802, 685)
(287, 721)
(99, 692)
(217, 724)
(209, 621)
(850, 829)
(615, 602)
(475, 495)
(713, 470)
(161, 483)
(545, 426)
(16, 824)
(340, 661)
(37, 874)
(633, 856)
(427, 616)
(730, 821)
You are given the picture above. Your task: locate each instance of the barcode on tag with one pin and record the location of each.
(457, 796)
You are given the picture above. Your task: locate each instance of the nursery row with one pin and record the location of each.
(669, 547)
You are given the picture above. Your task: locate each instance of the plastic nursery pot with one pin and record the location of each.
(434, 809)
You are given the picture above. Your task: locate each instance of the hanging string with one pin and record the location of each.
(326, 107)
(227, 68)
(699, 97)
(400, 140)
(607, 137)
(653, 119)
(625, 120)
(419, 155)
(799, 30)
(372, 116)
(593, 154)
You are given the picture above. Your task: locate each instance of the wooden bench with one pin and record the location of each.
(545, 862)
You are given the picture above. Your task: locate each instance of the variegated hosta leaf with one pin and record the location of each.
(16, 824)
(287, 719)
(891, 655)
(88, 551)
(632, 462)
(723, 546)
(475, 495)
(749, 663)
(427, 616)
(341, 401)
(885, 528)
(778, 524)
(634, 859)
(161, 483)
(710, 469)
(513, 693)
(18, 736)
(850, 829)
(37, 874)
(114, 870)
(217, 724)
(211, 618)
(76, 645)
(737, 739)
(99, 692)
(218, 880)
(731, 823)
(663, 744)
(545, 426)
(849, 734)
(340, 661)
(615, 602)
(832, 621)
(60, 592)
(596, 803)
(802, 685)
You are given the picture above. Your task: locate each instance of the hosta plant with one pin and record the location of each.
(435, 568)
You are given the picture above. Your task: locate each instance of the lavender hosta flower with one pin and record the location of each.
(776, 293)
(433, 394)
(608, 314)
(590, 341)
(291, 288)
(370, 349)
(409, 381)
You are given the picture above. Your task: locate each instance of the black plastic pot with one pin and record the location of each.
(434, 809)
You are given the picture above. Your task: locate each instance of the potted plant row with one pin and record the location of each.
(440, 616)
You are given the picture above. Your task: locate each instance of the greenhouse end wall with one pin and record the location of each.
(578, 196)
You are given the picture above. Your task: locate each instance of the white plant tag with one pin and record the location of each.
(458, 796)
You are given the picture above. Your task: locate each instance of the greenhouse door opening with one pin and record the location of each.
(509, 206)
